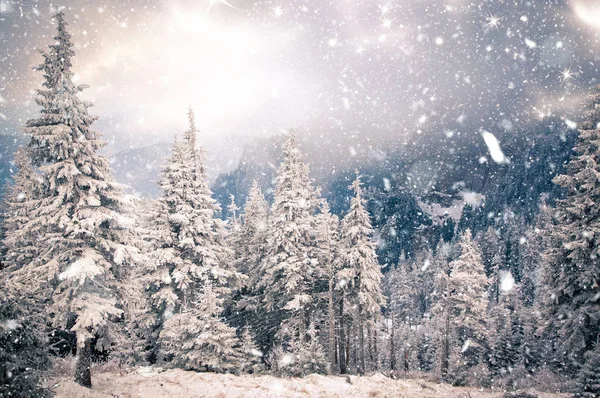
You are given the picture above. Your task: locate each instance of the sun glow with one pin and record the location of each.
(227, 71)
(587, 11)
(212, 3)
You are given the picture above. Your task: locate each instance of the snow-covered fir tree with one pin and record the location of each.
(588, 383)
(402, 290)
(251, 238)
(308, 355)
(289, 268)
(83, 240)
(189, 241)
(360, 274)
(247, 244)
(251, 356)
(328, 250)
(197, 338)
(440, 311)
(468, 301)
(570, 266)
(19, 245)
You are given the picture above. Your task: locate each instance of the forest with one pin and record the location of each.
(284, 286)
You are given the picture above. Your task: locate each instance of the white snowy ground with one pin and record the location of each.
(151, 383)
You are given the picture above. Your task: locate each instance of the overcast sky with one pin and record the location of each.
(364, 70)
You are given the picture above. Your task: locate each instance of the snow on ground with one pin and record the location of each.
(152, 382)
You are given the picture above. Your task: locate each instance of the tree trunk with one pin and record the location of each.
(83, 373)
(342, 357)
(392, 347)
(375, 351)
(370, 347)
(361, 340)
(445, 350)
(331, 314)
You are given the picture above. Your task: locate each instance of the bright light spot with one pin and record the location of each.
(278, 11)
(494, 147)
(386, 184)
(11, 324)
(387, 23)
(587, 11)
(567, 74)
(286, 360)
(439, 41)
(5, 6)
(507, 282)
(256, 353)
(571, 124)
(466, 346)
(493, 22)
(360, 49)
(385, 8)
(168, 314)
(530, 43)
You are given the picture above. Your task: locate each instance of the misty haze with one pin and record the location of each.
(300, 198)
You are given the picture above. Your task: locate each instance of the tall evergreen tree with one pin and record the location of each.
(83, 239)
(468, 300)
(289, 267)
(359, 268)
(248, 247)
(252, 236)
(440, 311)
(571, 270)
(328, 250)
(189, 242)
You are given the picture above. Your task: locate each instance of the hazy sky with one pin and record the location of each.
(354, 71)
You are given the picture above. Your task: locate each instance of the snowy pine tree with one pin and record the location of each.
(440, 311)
(328, 250)
(197, 338)
(250, 354)
(360, 274)
(570, 267)
(252, 236)
(468, 300)
(248, 246)
(83, 240)
(190, 242)
(288, 270)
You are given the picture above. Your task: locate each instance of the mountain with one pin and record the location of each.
(428, 188)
